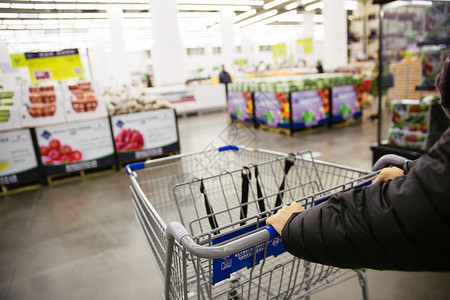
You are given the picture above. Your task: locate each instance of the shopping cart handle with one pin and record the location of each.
(273, 233)
(389, 159)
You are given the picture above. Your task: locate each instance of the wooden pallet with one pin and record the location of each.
(77, 175)
(311, 129)
(283, 131)
(248, 124)
(348, 122)
(20, 187)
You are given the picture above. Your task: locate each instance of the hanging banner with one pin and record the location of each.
(52, 65)
(278, 50)
(306, 45)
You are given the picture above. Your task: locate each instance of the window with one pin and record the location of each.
(195, 51)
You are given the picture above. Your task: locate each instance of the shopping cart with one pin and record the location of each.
(216, 244)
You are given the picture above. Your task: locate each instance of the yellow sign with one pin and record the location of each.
(44, 66)
(307, 45)
(18, 60)
(278, 50)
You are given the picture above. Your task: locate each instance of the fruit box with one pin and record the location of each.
(9, 111)
(82, 102)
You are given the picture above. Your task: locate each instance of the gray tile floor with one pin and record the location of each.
(80, 240)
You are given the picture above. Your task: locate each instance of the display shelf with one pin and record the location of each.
(439, 41)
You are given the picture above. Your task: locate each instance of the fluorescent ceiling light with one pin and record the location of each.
(424, 3)
(28, 16)
(22, 5)
(350, 5)
(291, 6)
(260, 17)
(214, 7)
(215, 27)
(304, 2)
(44, 6)
(223, 2)
(244, 15)
(314, 6)
(4, 5)
(274, 3)
(199, 15)
(9, 16)
(290, 16)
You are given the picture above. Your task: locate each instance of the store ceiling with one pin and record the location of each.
(52, 25)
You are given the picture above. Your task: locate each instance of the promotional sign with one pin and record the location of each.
(240, 105)
(17, 158)
(306, 46)
(345, 102)
(278, 50)
(310, 108)
(145, 134)
(75, 146)
(272, 109)
(51, 65)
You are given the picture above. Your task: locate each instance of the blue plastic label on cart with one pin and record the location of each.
(224, 267)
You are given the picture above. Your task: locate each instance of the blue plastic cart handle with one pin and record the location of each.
(273, 233)
(134, 166)
(229, 147)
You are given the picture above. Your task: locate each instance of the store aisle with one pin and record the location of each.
(80, 240)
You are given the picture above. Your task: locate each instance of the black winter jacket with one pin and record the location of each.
(399, 224)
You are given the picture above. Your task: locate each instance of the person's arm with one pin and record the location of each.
(398, 224)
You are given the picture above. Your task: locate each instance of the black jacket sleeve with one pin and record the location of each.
(399, 224)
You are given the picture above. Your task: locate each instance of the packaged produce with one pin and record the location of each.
(85, 99)
(130, 100)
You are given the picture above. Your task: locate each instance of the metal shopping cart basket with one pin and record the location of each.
(203, 215)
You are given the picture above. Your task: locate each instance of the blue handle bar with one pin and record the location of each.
(273, 233)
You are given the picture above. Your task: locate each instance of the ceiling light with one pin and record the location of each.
(286, 17)
(199, 15)
(350, 5)
(4, 5)
(214, 7)
(223, 2)
(28, 16)
(304, 2)
(22, 5)
(424, 3)
(291, 6)
(215, 27)
(244, 15)
(314, 6)
(274, 3)
(257, 18)
(9, 16)
(44, 6)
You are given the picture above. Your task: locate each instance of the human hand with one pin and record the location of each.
(279, 219)
(389, 173)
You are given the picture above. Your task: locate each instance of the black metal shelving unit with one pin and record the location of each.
(381, 147)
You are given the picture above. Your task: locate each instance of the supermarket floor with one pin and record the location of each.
(80, 240)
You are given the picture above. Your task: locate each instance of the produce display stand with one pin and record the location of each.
(432, 30)
(19, 168)
(75, 149)
(346, 103)
(144, 135)
(290, 104)
(240, 107)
